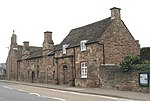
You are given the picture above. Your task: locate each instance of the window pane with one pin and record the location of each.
(85, 71)
(82, 65)
(85, 64)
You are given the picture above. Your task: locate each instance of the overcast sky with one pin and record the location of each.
(31, 18)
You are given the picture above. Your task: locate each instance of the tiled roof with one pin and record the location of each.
(91, 33)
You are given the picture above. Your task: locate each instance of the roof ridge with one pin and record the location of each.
(91, 23)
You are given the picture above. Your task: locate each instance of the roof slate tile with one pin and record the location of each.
(91, 32)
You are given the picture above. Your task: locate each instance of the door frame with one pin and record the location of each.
(32, 76)
(65, 67)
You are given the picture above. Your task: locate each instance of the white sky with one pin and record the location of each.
(31, 18)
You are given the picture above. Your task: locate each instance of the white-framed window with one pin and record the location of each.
(82, 45)
(83, 69)
(64, 48)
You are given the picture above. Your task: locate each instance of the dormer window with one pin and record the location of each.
(15, 49)
(82, 45)
(64, 48)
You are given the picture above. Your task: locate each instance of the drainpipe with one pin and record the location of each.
(74, 65)
(47, 75)
(17, 71)
(103, 60)
(57, 71)
(103, 52)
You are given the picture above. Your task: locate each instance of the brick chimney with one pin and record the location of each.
(115, 13)
(48, 43)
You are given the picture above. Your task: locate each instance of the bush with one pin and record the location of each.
(145, 53)
(134, 62)
(129, 61)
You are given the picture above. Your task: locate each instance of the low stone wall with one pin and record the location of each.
(111, 77)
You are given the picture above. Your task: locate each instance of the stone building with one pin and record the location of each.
(77, 60)
(2, 70)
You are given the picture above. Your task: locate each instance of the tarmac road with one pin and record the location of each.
(11, 94)
(17, 92)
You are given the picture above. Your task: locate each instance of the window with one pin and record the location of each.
(82, 45)
(38, 74)
(84, 70)
(53, 74)
(64, 48)
(28, 73)
(54, 61)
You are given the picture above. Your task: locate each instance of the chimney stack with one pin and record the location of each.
(48, 37)
(26, 45)
(115, 13)
(48, 43)
(13, 41)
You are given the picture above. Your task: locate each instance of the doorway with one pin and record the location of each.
(65, 77)
(32, 76)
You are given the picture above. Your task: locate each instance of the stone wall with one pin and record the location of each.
(111, 77)
(118, 43)
(11, 65)
(93, 56)
(73, 58)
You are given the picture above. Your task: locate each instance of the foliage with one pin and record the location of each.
(134, 62)
(145, 53)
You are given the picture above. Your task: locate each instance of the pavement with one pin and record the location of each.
(139, 96)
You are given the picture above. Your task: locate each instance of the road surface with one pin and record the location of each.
(16, 92)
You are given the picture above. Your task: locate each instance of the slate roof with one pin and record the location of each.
(35, 54)
(52, 52)
(92, 33)
(32, 48)
(38, 53)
